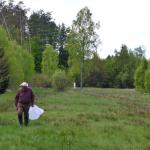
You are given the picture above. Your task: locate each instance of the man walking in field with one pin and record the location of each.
(23, 100)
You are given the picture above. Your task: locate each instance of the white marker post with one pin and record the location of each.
(74, 85)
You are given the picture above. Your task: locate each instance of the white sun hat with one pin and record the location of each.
(24, 84)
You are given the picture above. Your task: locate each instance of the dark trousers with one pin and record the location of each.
(23, 109)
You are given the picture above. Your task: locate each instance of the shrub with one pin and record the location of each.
(147, 79)
(140, 75)
(49, 61)
(41, 80)
(59, 81)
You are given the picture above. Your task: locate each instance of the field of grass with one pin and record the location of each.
(88, 119)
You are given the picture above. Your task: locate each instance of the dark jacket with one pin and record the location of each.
(24, 96)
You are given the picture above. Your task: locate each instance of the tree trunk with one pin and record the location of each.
(81, 73)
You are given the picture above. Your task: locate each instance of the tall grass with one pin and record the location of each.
(90, 119)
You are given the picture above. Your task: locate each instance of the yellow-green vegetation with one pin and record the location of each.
(88, 119)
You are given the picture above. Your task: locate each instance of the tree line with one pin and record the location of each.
(34, 48)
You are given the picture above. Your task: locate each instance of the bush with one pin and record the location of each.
(49, 61)
(41, 80)
(147, 79)
(59, 81)
(140, 75)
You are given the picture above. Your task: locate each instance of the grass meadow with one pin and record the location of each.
(87, 119)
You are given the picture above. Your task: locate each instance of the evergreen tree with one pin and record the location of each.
(124, 68)
(41, 25)
(14, 19)
(63, 53)
(37, 48)
(63, 58)
(109, 64)
(95, 75)
(4, 72)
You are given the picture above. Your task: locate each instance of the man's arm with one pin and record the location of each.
(32, 98)
(17, 98)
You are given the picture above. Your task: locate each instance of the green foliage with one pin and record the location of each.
(109, 64)
(27, 64)
(41, 25)
(84, 27)
(74, 49)
(62, 35)
(63, 58)
(15, 64)
(49, 61)
(114, 71)
(63, 53)
(140, 75)
(3, 38)
(94, 75)
(20, 62)
(120, 68)
(37, 48)
(41, 80)
(4, 72)
(15, 69)
(59, 80)
(14, 20)
(147, 79)
(140, 52)
(84, 32)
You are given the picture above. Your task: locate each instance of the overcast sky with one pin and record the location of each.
(122, 21)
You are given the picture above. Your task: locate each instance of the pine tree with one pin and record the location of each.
(63, 58)
(4, 72)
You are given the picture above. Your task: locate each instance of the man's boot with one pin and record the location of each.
(26, 119)
(20, 120)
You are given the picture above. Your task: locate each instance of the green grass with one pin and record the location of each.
(88, 119)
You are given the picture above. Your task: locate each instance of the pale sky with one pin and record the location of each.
(122, 21)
